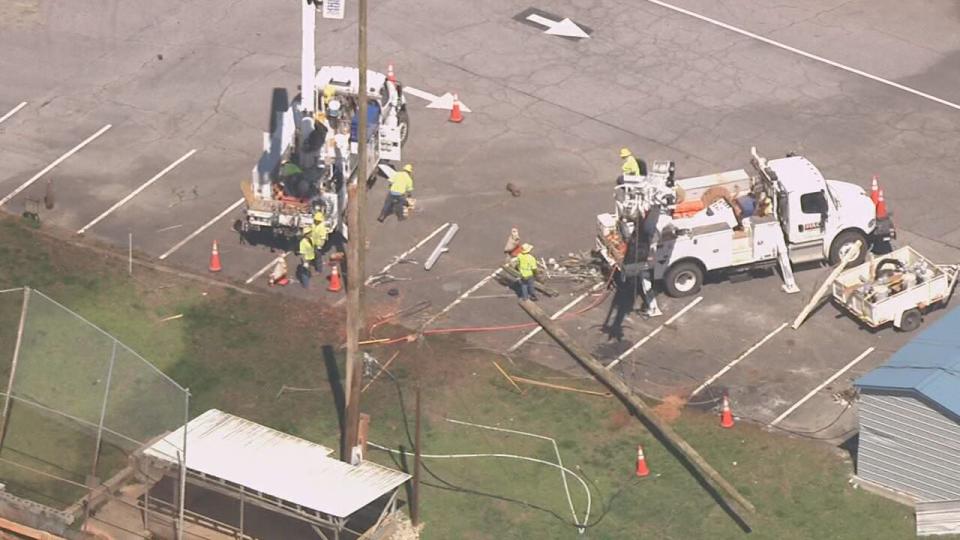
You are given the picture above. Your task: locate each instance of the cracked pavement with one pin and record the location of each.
(549, 116)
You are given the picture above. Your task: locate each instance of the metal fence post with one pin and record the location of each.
(13, 365)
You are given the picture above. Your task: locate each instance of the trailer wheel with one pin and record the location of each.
(683, 279)
(910, 320)
(845, 241)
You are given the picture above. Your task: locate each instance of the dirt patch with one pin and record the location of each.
(618, 419)
(670, 408)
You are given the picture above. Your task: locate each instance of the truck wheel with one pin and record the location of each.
(683, 279)
(845, 241)
(403, 121)
(910, 320)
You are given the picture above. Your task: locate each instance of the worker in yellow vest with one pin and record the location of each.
(401, 187)
(318, 236)
(308, 255)
(527, 266)
(631, 166)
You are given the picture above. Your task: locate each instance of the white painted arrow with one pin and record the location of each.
(564, 28)
(436, 102)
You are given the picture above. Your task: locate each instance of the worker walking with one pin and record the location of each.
(631, 165)
(401, 187)
(308, 255)
(527, 266)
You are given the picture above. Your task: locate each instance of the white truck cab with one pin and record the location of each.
(785, 213)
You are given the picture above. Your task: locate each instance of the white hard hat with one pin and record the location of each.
(334, 105)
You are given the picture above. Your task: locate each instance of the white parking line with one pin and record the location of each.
(554, 317)
(813, 392)
(13, 111)
(651, 335)
(462, 297)
(205, 226)
(805, 54)
(269, 265)
(737, 360)
(404, 255)
(56, 162)
(135, 192)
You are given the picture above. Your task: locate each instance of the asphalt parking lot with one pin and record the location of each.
(860, 88)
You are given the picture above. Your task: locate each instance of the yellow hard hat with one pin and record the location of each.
(526, 248)
(329, 91)
(624, 152)
(408, 167)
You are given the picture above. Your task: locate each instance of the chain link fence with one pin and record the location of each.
(77, 406)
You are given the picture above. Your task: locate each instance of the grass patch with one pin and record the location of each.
(235, 352)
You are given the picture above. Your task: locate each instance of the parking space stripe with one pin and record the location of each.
(137, 191)
(462, 297)
(13, 111)
(651, 335)
(56, 162)
(805, 54)
(737, 360)
(813, 392)
(554, 317)
(204, 227)
(403, 255)
(269, 265)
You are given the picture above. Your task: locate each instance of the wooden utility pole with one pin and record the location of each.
(356, 193)
(662, 431)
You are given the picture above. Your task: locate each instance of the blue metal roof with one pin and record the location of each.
(929, 365)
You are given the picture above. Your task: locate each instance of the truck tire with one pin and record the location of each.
(403, 121)
(910, 320)
(683, 279)
(844, 241)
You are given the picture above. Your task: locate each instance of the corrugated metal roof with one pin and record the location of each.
(277, 464)
(929, 365)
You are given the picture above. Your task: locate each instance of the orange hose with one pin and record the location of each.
(479, 329)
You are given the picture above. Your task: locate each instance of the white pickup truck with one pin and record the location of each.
(785, 212)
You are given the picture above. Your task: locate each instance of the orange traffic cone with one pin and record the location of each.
(455, 114)
(726, 415)
(215, 258)
(335, 285)
(642, 469)
(881, 206)
(874, 190)
(390, 75)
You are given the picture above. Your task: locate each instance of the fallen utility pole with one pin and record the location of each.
(662, 431)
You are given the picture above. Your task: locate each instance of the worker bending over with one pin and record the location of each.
(631, 166)
(527, 266)
(401, 187)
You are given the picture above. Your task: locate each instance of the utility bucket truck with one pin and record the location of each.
(311, 153)
(785, 212)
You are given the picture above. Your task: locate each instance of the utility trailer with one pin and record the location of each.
(897, 288)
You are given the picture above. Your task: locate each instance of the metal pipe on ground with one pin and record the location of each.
(709, 478)
(441, 247)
